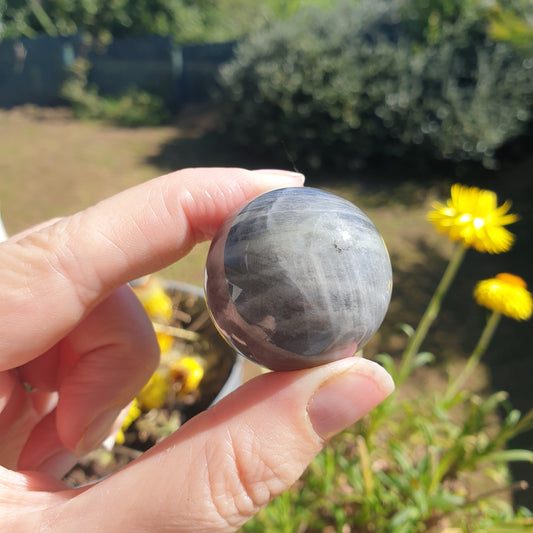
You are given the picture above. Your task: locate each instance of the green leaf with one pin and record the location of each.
(399, 457)
(422, 358)
(390, 482)
(525, 423)
(510, 456)
(405, 515)
(447, 500)
(513, 417)
(407, 329)
(517, 525)
(494, 400)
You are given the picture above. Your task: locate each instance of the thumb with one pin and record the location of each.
(221, 467)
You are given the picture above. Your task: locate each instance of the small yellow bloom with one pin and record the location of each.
(154, 394)
(158, 306)
(120, 439)
(133, 413)
(189, 372)
(472, 216)
(165, 342)
(156, 302)
(506, 294)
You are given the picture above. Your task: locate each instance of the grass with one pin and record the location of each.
(52, 165)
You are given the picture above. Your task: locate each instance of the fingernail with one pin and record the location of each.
(345, 398)
(275, 173)
(58, 464)
(97, 431)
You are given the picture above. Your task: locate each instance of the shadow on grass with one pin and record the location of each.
(381, 187)
(208, 150)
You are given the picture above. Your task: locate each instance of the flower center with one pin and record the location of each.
(511, 279)
(478, 222)
(467, 217)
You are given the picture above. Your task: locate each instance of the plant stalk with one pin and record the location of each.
(431, 313)
(475, 356)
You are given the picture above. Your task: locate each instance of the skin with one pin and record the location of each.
(76, 347)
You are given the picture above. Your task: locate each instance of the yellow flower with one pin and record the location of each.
(158, 306)
(472, 216)
(133, 413)
(189, 372)
(165, 342)
(506, 294)
(156, 302)
(154, 394)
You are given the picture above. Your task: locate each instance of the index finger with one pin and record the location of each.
(53, 277)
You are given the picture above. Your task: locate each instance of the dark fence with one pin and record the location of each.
(33, 70)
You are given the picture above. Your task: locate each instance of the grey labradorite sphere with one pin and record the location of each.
(297, 278)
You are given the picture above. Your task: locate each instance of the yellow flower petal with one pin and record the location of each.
(120, 439)
(506, 294)
(154, 393)
(189, 372)
(165, 342)
(156, 302)
(134, 412)
(472, 216)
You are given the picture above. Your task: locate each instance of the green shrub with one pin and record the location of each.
(186, 21)
(367, 81)
(133, 108)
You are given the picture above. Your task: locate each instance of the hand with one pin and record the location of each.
(76, 347)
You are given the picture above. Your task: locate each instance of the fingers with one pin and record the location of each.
(53, 277)
(24, 495)
(221, 467)
(119, 353)
(16, 418)
(116, 352)
(44, 452)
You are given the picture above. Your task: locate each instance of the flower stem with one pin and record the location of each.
(431, 313)
(475, 356)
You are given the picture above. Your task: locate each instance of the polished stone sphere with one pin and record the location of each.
(296, 278)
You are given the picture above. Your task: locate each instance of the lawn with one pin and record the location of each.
(52, 165)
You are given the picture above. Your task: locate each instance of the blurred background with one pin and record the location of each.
(386, 103)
